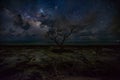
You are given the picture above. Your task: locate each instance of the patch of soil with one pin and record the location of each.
(62, 51)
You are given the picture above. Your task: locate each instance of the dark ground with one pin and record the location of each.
(40, 63)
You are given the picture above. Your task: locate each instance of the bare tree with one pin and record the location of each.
(62, 28)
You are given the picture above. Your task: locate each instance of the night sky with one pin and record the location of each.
(33, 13)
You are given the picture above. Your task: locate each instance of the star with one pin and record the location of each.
(41, 11)
(56, 7)
(101, 22)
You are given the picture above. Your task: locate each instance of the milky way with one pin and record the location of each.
(28, 20)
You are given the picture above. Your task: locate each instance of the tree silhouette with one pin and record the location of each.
(62, 28)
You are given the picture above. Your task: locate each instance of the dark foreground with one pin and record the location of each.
(40, 63)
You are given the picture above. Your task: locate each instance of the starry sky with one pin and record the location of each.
(23, 21)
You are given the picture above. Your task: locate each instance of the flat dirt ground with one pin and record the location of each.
(34, 62)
